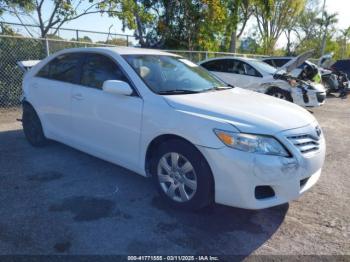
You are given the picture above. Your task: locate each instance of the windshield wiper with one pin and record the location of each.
(223, 87)
(187, 91)
(177, 91)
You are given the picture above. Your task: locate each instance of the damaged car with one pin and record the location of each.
(309, 71)
(164, 117)
(256, 75)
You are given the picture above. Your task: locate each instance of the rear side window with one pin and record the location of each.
(99, 68)
(62, 68)
(214, 65)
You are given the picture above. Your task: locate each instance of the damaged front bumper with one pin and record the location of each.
(308, 97)
(254, 181)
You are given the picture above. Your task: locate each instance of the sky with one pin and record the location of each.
(98, 22)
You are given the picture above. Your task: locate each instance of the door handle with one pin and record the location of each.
(78, 96)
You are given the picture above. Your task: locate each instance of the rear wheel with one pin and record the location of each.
(280, 93)
(182, 175)
(32, 127)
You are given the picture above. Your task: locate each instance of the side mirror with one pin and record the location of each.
(117, 87)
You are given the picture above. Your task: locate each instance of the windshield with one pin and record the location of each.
(264, 67)
(168, 74)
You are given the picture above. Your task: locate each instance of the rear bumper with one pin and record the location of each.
(237, 174)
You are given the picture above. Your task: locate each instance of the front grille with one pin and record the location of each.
(321, 97)
(305, 143)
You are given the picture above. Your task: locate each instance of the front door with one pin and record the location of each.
(104, 124)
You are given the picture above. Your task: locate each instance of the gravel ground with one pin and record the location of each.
(57, 200)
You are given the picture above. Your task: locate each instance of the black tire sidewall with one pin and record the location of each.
(204, 192)
(30, 118)
(276, 90)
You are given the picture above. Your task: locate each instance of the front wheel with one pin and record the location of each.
(280, 93)
(182, 175)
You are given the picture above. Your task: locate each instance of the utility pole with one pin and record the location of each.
(324, 38)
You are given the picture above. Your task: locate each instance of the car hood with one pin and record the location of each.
(318, 87)
(248, 111)
(296, 61)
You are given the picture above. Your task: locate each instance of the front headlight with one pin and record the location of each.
(259, 144)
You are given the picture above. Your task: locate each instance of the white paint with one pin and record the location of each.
(119, 129)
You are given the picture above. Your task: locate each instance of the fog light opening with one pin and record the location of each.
(303, 182)
(262, 192)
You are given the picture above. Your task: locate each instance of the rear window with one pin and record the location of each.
(280, 62)
(63, 68)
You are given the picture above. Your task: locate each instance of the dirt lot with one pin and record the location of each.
(59, 200)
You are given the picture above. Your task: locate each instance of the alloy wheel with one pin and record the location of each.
(177, 177)
(280, 96)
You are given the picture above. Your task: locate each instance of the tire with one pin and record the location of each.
(32, 127)
(328, 86)
(187, 184)
(280, 93)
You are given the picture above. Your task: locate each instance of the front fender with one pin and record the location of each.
(195, 128)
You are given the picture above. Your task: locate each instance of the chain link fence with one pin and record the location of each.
(17, 48)
(14, 49)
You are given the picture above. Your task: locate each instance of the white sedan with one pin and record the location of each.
(164, 117)
(259, 76)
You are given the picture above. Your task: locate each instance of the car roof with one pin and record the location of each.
(121, 50)
(278, 57)
(229, 57)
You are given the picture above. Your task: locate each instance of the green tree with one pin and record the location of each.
(62, 11)
(239, 12)
(116, 41)
(345, 33)
(82, 39)
(273, 17)
(188, 24)
(326, 21)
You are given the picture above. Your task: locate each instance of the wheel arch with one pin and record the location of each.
(25, 102)
(157, 141)
(272, 88)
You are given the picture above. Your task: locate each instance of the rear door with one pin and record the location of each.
(104, 124)
(51, 94)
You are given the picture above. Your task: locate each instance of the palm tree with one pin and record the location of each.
(345, 34)
(325, 22)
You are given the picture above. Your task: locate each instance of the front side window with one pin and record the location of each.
(62, 68)
(263, 67)
(168, 74)
(99, 68)
(238, 67)
(234, 66)
(250, 71)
